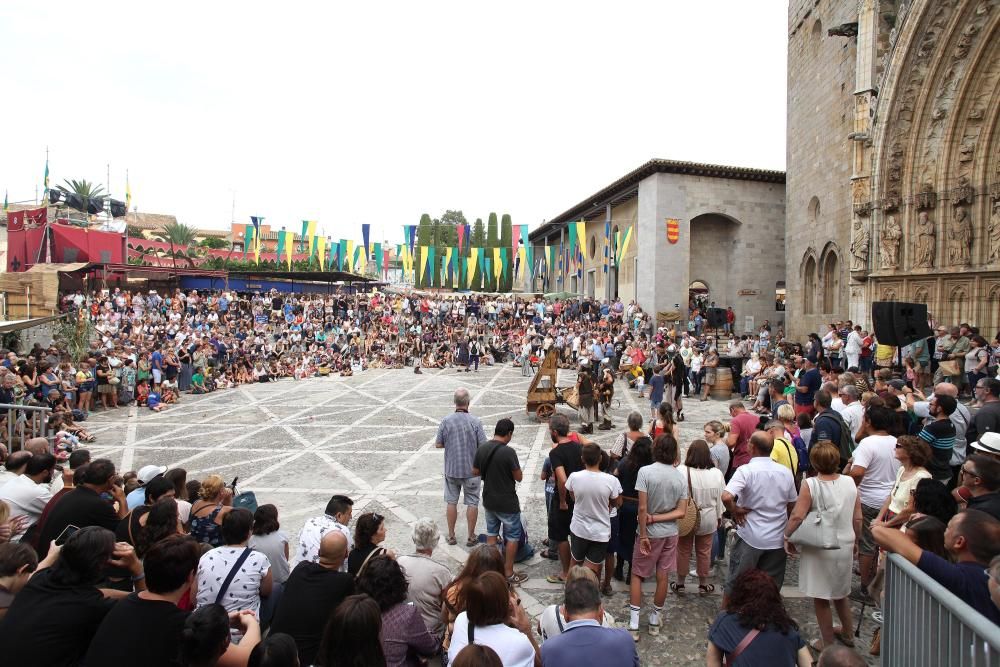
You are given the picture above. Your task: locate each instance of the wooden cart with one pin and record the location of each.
(543, 394)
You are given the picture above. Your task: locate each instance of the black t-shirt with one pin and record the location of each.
(942, 433)
(987, 419)
(989, 503)
(499, 492)
(567, 455)
(277, 303)
(51, 624)
(138, 632)
(80, 507)
(311, 594)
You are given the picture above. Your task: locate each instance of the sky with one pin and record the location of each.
(351, 113)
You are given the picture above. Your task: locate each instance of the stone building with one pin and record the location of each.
(893, 159)
(729, 245)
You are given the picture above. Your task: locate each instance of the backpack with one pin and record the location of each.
(803, 452)
(846, 444)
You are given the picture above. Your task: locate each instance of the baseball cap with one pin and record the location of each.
(898, 385)
(988, 442)
(147, 473)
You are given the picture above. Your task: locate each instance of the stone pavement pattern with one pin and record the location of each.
(371, 436)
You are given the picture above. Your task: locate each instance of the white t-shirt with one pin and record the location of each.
(514, 648)
(244, 589)
(592, 493)
(877, 455)
(764, 487)
(852, 414)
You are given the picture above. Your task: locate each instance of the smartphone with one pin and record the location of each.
(233, 485)
(67, 532)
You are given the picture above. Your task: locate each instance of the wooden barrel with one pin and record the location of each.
(723, 388)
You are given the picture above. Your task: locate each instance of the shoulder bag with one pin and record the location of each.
(232, 573)
(688, 523)
(742, 646)
(818, 529)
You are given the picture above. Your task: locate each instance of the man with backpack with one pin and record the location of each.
(829, 425)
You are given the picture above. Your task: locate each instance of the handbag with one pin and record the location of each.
(688, 523)
(949, 368)
(817, 530)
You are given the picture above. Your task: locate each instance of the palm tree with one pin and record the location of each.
(178, 234)
(84, 188)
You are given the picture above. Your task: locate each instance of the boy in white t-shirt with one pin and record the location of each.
(594, 494)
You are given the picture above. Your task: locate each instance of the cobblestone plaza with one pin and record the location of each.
(371, 436)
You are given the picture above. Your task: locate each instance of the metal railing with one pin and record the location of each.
(926, 624)
(25, 422)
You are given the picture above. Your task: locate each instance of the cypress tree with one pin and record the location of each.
(506, 239)
(492, 241)
(478, 241)
(425, 237)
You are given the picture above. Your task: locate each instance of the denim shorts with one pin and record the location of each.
(511, 522)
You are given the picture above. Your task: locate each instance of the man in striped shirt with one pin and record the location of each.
(940, 435)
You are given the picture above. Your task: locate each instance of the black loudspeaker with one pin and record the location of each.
(716, 318)
(95, 205)
(899, 323)
(116, 208)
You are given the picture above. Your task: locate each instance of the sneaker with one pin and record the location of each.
(635, 634)
(654, 629)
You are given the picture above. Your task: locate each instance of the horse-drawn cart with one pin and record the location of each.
(543, 394)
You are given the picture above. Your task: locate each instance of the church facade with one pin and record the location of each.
(893, 160)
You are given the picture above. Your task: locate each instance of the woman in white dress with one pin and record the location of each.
(825, 574)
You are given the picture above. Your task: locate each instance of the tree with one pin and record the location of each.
(83, 188)
(425, 237)
(478, 241)
(178, 234)
(214, 243)
(506, 240)
(492, 241)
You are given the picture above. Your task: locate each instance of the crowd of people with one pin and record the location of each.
(886, 460)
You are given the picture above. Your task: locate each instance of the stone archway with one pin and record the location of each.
(713, 239)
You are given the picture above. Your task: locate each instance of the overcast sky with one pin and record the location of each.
(379, 111)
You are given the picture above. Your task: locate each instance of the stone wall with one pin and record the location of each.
(821, 77)
(731, 237)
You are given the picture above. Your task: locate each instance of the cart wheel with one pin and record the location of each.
(545, 411)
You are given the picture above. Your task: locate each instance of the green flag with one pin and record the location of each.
(281, 244)
(341, 254)
(248, 240)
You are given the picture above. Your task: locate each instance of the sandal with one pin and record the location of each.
(816, 645)
(706, 589)
(676, 588)
(555, 579)
(451, 540)
(547, 553)
(606, 590)
(843, 637)
(471, 542)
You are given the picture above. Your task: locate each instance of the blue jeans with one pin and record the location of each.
(511, 522)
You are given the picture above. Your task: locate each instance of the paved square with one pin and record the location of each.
(371, 436)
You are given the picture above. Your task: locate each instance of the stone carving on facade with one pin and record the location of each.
(964, 193)
(960, 238)
(926, 198)
(926, 241)
(892, 234)
(860, 246)
(994, 233)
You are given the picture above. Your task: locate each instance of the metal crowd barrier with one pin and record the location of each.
(25, 422)
(926, 624)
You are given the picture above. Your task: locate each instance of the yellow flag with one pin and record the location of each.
(473, 258)
(423, 262)
(256, 249)
(581, 236)
(447, 263)
(350, 255)
(310, 236)
(525, 269)
(289, 243)
(321, 251)
(497, 267)
(362, 260)
(624, 247)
